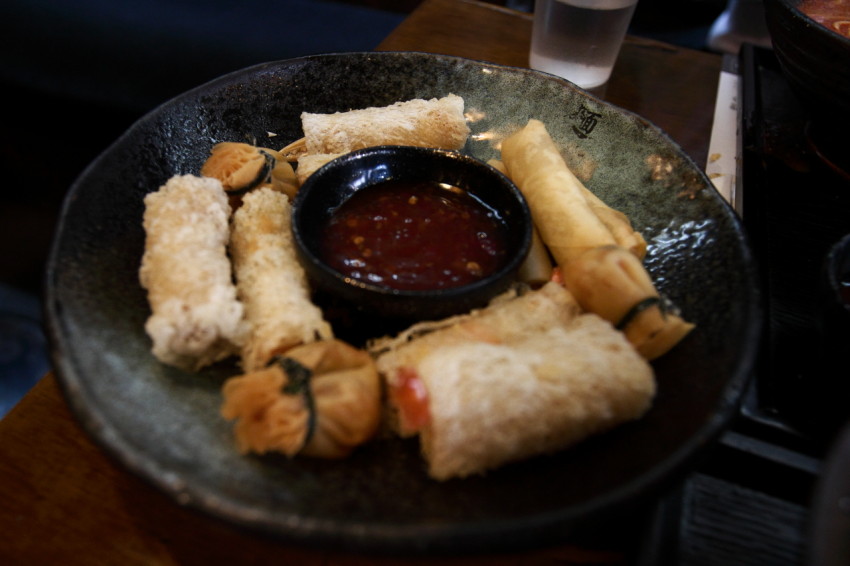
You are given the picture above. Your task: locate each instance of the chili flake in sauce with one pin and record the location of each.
(412, 235)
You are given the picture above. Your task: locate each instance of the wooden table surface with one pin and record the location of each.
(64, 501)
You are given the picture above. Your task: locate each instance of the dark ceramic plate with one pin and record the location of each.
(163, 424)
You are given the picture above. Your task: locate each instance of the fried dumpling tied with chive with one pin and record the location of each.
(611, 282)
(242, 167)
(322, 400)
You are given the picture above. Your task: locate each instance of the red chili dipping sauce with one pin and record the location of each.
(412, 235)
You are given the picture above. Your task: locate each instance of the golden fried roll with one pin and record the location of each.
(196, 318)
(322, 399)
(309, 164)
(487, 390)
(436, 123)
(537, 267)
(618, 224)
(570, 219)
(271, 282)
(614, 284)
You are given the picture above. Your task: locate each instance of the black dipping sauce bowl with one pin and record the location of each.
(326, 190)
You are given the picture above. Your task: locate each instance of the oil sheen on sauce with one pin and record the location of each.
(412, 235)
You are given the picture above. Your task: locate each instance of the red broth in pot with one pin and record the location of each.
(832, 14)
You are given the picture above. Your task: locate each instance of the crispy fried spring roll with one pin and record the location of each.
(618, 223)
(571, 220)
(436, 123)
(271, 283)
(613, 283)
(491, 392)
(537, 267)
(196, 318)
(310, 163)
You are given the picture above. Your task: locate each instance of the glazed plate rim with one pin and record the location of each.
(488, 533)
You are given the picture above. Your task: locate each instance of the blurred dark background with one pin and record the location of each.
(79, 73)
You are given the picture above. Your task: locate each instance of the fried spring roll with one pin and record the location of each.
(271, 283)
(571, 220)
(310, 163)
(436, 123)
(196, 318)
(537, 267)
(487, 390)
(618, 224)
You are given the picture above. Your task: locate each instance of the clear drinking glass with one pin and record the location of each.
(579, 40)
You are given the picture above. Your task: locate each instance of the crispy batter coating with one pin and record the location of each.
(426, 123)
(271, 282)
(523, 377)
(196, 318)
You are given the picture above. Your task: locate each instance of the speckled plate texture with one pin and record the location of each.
(163, 424)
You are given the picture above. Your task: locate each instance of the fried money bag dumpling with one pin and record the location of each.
(242, 167)
(322, 399)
